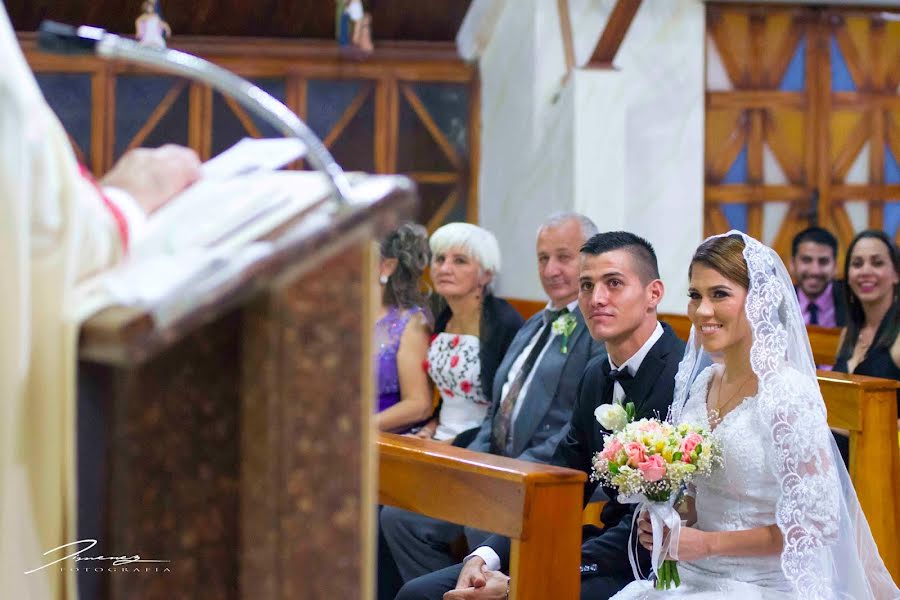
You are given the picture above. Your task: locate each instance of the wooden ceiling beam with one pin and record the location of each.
(611, 39)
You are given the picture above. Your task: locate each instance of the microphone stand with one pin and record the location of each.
(59, 38)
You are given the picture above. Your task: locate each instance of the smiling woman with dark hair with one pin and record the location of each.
(870, 343)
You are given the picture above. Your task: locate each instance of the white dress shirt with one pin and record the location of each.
(486, 553)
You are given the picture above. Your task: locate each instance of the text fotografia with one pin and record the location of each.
(115, 569)
(120, 564)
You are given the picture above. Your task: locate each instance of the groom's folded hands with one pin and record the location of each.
(490, 585)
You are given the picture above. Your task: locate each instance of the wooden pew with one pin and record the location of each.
(680, 324)
(867, 407)
(537, 506)
(526, 308)
(824, 342)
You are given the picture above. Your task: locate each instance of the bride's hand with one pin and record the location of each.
(693, 544)
(645, 530)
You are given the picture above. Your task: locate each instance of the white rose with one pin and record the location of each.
(611, 416)
(558, 327)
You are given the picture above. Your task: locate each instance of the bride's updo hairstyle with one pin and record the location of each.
(725, 255)
(409, 245)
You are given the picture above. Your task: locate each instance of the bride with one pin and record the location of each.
(780, 518)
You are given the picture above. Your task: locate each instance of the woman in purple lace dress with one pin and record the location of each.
(403, 332)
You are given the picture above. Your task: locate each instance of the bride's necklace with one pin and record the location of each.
(720, 406)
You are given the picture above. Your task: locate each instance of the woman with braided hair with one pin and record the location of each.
(403, 331)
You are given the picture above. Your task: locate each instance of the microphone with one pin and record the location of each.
(59, 38)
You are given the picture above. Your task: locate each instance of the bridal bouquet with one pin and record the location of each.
(651, 462)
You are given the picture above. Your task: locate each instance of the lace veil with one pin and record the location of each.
(828, 549)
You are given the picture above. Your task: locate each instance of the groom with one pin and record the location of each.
(619, 292)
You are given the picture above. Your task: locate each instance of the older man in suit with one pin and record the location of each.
(620, 290)
(533, 394)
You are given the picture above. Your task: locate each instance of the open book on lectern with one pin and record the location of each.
(240, 196)
(208, 232)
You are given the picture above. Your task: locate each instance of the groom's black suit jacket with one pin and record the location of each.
(604, 550)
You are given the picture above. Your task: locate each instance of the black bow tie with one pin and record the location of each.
(620, 375)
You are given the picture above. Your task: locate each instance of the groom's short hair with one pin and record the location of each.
(640, 249)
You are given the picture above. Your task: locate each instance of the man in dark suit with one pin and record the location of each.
(813, 265)
(619, 292)
(534, 391)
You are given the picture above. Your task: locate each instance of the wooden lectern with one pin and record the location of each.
(236, 442)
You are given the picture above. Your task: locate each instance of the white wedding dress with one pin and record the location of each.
(741, 494)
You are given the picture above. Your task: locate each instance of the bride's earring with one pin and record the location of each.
(383, 280)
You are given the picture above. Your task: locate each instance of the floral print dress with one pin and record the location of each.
(455, 368)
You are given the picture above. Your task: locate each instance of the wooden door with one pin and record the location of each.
(802, 121)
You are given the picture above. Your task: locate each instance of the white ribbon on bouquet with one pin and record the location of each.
(662, 515)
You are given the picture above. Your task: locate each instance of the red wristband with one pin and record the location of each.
(117, 214)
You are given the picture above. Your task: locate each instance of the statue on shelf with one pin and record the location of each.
(353, 26)
(150, 29)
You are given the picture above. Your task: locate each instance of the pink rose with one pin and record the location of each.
(612, 449)
(688, 444)
(650, 426)
(635, 452)
(654, 468)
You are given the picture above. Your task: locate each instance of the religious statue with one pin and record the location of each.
(353, 26)
(150, 29)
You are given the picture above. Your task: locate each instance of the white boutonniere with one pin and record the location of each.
(614, 416)
(564, 325)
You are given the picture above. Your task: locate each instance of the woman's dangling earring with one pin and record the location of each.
(383, 280)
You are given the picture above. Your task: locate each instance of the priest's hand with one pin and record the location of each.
(495, 587)
(154, 176)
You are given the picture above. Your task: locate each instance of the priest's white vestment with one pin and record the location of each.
(54, 230)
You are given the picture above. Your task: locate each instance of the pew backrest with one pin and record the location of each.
(867, 408)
